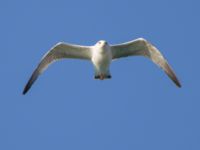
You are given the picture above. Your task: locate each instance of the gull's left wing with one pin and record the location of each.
(59, 51)
(141, 47)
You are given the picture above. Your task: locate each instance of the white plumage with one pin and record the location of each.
(101, 55)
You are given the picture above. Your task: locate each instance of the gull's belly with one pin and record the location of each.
(101, 61)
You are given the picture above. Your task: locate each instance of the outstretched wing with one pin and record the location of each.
(142, 47)
(59, 51)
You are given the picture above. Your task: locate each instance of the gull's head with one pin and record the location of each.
(101, 43)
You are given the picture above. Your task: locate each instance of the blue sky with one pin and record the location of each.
(140, 108)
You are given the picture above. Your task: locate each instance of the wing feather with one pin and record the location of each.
(141, 47)
(59, 51)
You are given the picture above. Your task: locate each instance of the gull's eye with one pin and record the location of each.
(99, 42)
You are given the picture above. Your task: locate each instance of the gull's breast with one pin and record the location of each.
(101, 58)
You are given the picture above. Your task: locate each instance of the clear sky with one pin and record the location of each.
(140, 108)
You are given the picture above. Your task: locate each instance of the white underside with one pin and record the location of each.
(101, 60)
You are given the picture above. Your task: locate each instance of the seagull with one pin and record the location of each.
(101, 55)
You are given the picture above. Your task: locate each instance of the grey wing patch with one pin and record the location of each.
(141, 47)
(155, 55)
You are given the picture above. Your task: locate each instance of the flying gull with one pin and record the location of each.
(101, 54)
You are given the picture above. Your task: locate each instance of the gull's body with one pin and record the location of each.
(101, 59)
(101, 55)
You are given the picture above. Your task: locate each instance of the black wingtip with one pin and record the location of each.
(178, 84)
(168, 70)
(31, 81)
(25, 90)
(175, 79)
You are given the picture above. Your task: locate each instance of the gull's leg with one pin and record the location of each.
(109, 76)
(102, 76)
(96, 77)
